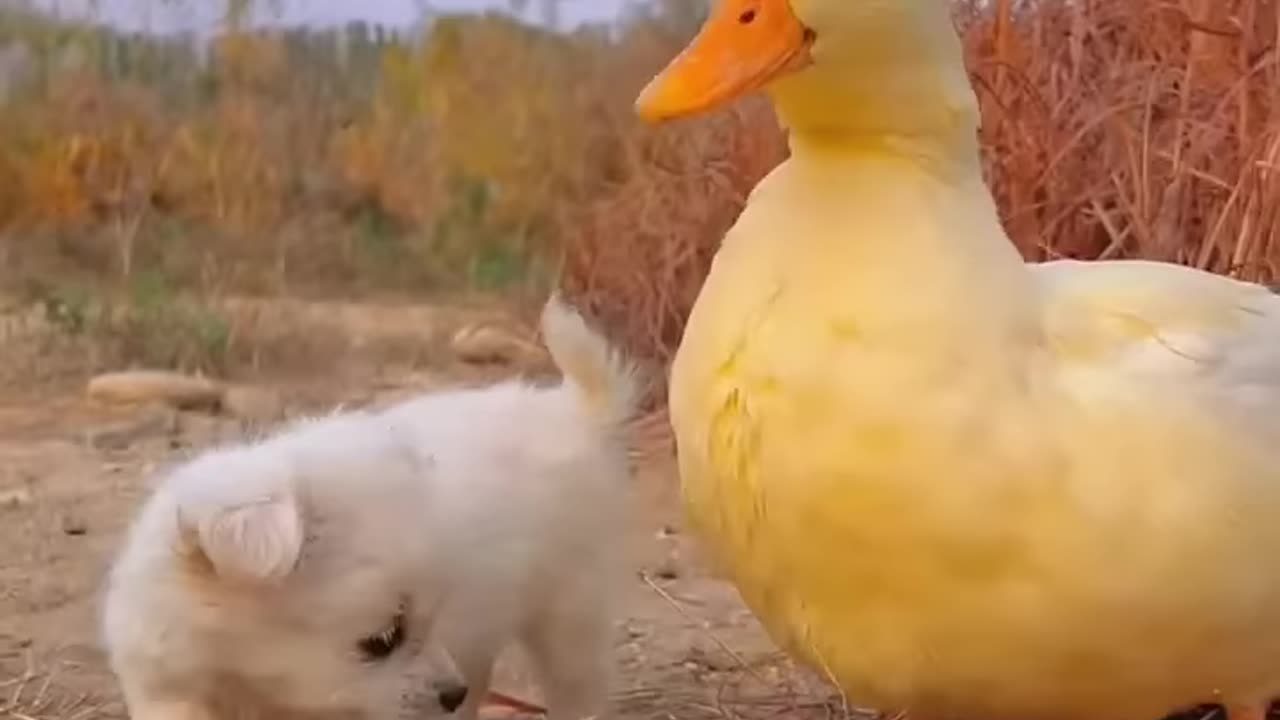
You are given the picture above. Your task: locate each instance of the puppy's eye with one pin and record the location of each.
(382, 644)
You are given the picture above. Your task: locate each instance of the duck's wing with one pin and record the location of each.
(1158, 327)
(1160, 318)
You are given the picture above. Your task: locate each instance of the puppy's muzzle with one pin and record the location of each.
(451, 696)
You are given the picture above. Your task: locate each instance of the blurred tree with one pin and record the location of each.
(677, 18)
(548, 9)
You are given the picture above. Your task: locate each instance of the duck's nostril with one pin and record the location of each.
(452, 697)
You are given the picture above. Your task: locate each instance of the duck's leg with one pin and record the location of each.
(1246, 711)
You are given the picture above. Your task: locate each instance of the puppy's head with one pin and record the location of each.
(296, 577)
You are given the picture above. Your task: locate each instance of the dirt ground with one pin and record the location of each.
(72, 473)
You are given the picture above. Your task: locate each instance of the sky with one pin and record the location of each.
(203, 16)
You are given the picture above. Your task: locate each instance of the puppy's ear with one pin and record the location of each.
(251, 542)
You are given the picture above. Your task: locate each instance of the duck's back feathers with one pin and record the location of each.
(1143, 327)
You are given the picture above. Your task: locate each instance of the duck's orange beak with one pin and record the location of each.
(743, 45)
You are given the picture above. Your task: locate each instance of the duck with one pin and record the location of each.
(954, 483)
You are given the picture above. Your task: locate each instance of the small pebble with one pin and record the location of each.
(712, 659)
(20, 497)
(74, 526)
(667, 571)
(668, 568)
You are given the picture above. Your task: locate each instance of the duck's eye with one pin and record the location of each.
(382, 644)
(747, 17)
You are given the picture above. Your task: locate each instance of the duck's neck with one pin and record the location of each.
(895, 73)
(885, 149)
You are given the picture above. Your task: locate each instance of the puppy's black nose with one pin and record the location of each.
(451, 697)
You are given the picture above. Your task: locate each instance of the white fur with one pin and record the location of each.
(489, 515)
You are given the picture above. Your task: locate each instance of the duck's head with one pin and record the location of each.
(851, 66)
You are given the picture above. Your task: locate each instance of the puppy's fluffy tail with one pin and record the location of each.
(605, 382)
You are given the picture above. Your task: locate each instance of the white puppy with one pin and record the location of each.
(315, 574)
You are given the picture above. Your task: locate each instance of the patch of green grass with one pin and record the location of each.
(378, 236)
(152, 324)
(71, 308)
(160, 328)
(495, 267)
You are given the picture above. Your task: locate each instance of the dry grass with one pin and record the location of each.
(1134, 129)
(36, 695)
(1111, 129)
